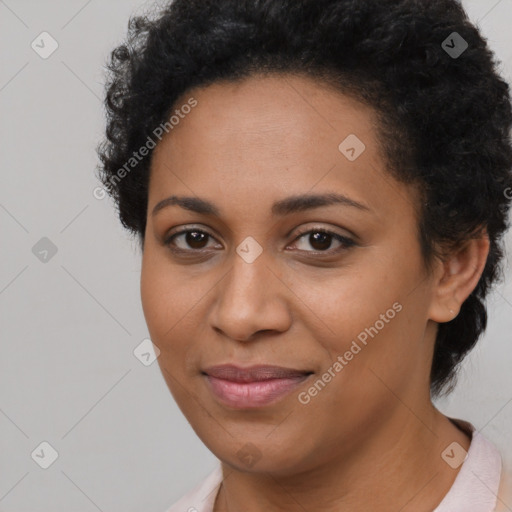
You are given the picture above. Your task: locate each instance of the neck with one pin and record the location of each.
(399, 468)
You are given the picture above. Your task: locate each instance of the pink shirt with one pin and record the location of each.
(478, 487)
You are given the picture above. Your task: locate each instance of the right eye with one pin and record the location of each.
(191, 239)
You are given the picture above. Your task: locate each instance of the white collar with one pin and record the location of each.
(475, 488)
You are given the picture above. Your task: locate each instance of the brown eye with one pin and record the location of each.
(321, 240)
(191, 239)
(196, 239)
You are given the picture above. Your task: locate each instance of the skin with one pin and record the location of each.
(371, 438)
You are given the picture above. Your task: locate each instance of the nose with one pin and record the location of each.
(251, 298)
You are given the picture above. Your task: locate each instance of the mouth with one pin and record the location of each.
(256, 386)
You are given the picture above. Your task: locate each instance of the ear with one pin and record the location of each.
(457, 276)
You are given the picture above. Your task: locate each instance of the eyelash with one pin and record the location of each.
(346, 242)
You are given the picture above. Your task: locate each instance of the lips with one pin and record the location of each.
(254, 373)
(257, 386)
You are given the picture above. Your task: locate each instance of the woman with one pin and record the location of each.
(319, 188)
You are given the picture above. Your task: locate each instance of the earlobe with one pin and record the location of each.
(458, 276)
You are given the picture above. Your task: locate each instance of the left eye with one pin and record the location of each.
(321, 240)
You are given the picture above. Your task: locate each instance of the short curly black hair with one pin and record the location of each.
(444, 116)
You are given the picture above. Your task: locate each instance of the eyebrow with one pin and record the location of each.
(287, 206)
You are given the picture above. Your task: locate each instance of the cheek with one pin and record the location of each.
(164, 290)
(350, 302)
(364, 321)
(166, 299)
(154, 301)
(168, 306)
(174, 305)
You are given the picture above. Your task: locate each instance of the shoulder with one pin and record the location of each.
(504, 499)
(202, 497)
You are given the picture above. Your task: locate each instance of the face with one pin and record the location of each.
(262, 276)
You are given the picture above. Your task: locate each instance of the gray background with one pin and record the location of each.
(69, 325)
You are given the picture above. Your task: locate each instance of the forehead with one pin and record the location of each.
(267, 135)
(277, 111)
